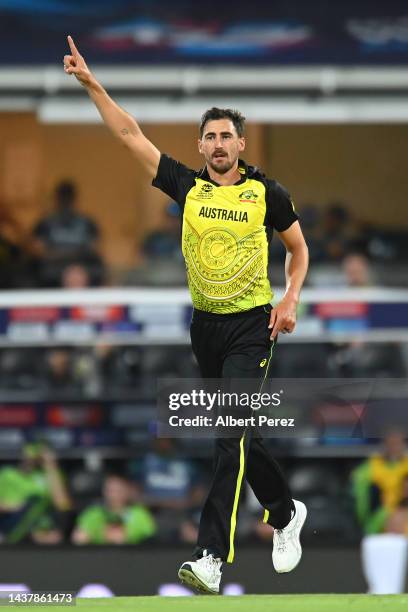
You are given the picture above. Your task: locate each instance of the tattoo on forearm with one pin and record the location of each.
(124, 131)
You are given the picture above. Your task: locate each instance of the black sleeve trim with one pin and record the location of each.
(280, 210)
(174, 179)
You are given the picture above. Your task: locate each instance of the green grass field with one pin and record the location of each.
(246, 603)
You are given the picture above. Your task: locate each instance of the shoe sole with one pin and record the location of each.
(300, 558)
(190, 579)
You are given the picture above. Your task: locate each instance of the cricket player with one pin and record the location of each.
(229, 212)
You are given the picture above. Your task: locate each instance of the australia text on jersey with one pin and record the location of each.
(224, 215)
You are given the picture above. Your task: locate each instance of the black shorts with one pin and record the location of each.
(235, 345)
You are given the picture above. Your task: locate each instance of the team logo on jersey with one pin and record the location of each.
(206, 192)
(248, 196)
(263, 362)
(218, 249)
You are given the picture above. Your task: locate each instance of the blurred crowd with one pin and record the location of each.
(110, 372)
(347, 252)
(158, 497)
(97, 371)
(63, 249)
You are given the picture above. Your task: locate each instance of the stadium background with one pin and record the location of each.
(87, 329)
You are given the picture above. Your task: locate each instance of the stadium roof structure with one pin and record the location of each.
(326, 94)
(279, 61)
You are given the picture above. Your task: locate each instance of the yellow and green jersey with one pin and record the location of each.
(137, 521)
(18, 486)
(388, 476)
(378, 490)
(226, 233)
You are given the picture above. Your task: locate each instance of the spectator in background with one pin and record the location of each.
(163, 261)
(66, 236)
(378, 484)
(311, 220)
(34, 501)
(397, 522)
(356, 269)
(58, 373)
(165, 241)
(380, 489)
(119, 519)
(71, 373)
(336, 232)
(13, 259)
(332, 240)
(358, 358)
(172, 487)
(387, 245)
(21, 369)
(75, 276)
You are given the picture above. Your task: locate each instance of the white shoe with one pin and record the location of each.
(287, 550)
(203, 574)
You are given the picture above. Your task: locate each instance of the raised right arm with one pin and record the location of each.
(121, 124)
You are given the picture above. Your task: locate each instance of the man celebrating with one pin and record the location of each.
(229, 212)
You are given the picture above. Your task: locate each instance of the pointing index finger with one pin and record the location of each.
(72, 46)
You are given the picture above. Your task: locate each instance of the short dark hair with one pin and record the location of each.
(66, 193)
(215, 113)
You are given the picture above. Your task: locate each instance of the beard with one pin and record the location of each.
(221, 165)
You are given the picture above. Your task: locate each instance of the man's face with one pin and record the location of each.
(220, 145)
(116, 491)
(395, 445)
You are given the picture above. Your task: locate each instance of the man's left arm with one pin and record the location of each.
(283, 316)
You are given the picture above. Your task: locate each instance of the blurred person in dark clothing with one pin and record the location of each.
(364, 359)
(34, 500)
(162, 259)
(311, 221)
(13, 258)
(120, 367)
(336, 232)
(65, 236)
(118, 519)
(21, 369)
(386, 245)
(59, 372)
(165, 241)
(66, 232)
(72, 373)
